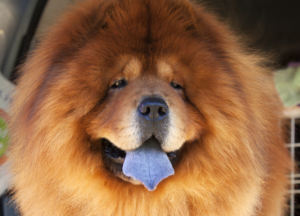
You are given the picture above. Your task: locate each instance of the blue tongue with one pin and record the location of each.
(148, 164)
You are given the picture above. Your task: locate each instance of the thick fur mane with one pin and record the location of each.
(225, 171)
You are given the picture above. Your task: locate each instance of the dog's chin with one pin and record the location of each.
(113, 159)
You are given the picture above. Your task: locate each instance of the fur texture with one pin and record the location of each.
(225, 120)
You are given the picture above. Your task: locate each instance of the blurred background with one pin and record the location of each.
(272, 26)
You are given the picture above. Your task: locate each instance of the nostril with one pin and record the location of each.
(145, 110)
(162, 111)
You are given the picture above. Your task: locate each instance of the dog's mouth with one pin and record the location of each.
(147, 165)
(112, 152)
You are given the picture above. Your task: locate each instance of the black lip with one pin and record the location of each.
(172, 155)
(113, 152)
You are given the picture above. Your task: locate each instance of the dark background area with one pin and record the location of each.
(269, 25)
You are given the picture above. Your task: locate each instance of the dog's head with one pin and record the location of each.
(135, 91)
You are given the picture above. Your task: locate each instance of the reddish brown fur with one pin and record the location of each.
(233, 161)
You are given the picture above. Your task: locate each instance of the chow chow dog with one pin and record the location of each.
(146, 107)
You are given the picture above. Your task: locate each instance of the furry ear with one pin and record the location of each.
(184, 14)
(107, 15)
(84, 23)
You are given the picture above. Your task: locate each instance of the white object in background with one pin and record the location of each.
(6, 89)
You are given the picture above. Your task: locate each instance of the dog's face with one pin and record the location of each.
(143, 103)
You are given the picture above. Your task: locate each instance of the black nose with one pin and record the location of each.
(153, 109)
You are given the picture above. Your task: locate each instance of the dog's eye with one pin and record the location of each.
(175, 85)
(119, 83)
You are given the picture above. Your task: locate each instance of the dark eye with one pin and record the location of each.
(176, 85)
(119, 83)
